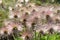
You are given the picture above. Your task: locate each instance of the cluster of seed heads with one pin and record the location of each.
(31, 23)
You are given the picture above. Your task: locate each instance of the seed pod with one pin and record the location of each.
(48, 18)
(33, 26)
(33, 10)
(27, 34)
(51, 31)
(4, 36)
(41, 32)
(26, 15)
(57, 21)
(15, 16)
(27, 38)
(24, 23)
(15, 32)
(58, 11)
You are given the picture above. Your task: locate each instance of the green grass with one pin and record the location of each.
(37, 36)
(9, 2)
(3, 15)
(18, 38)
(55, 36)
